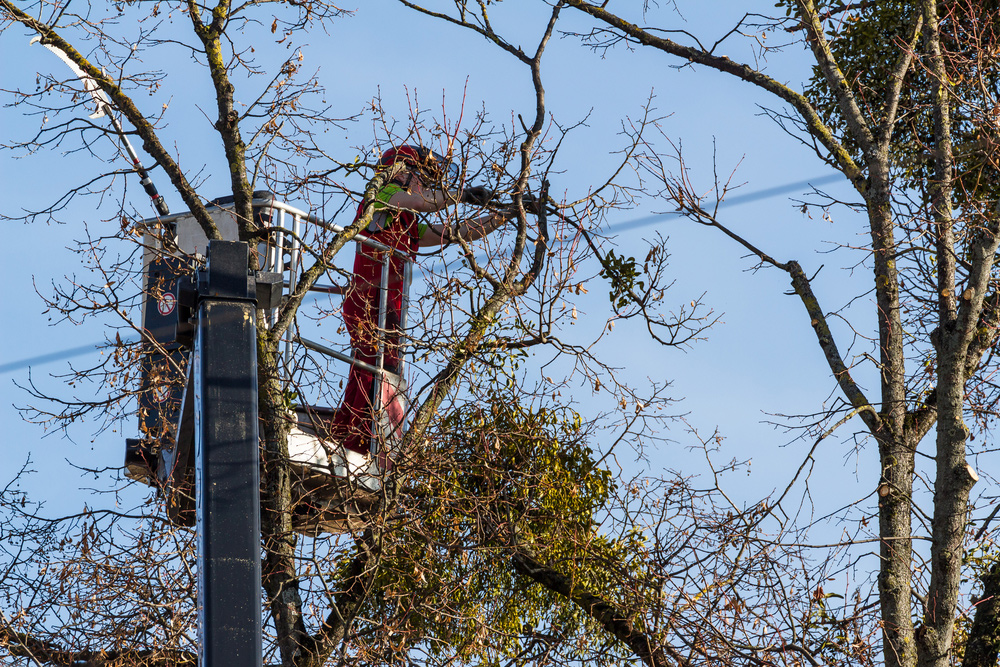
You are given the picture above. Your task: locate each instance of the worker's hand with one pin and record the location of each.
(477, 195)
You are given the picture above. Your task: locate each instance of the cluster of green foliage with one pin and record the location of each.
(623, 274)
(869, 39)
(500, 478)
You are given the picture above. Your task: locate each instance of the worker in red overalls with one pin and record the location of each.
(418, 186)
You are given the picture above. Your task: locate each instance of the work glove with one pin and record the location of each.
(532, 204)
(477, 195)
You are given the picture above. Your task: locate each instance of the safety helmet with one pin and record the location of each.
(431, 167)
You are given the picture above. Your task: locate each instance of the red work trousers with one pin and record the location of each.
(356, 416)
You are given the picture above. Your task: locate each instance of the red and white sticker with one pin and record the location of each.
(161, 393)
(166, 304)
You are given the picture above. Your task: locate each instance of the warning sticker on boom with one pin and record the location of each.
(166, 304)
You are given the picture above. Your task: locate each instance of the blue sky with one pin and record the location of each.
(761, 359)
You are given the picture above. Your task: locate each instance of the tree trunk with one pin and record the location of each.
(279, 576)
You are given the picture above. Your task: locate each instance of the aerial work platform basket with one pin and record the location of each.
(334, 488)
